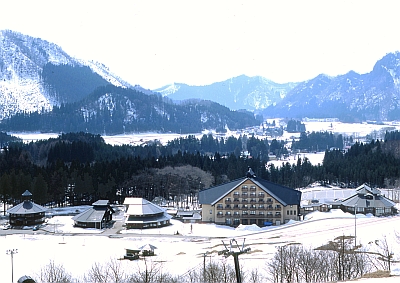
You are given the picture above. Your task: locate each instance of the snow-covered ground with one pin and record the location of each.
(78, 249)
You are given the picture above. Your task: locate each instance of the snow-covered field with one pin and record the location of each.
(78, 249)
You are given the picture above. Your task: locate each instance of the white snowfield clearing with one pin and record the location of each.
(78, 249)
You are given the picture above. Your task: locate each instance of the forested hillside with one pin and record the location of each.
(115, 110)
(79, 168)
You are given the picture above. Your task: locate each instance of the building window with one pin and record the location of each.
(244, 188)
(252, 188)
(252, 212)
(244, 194)
(236, 193)
(210, 211)
(244, 212)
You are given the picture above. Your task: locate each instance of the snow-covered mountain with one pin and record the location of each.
(371, 96)
(242, 92)
(24, 84)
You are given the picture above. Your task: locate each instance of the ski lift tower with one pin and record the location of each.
(235, 252)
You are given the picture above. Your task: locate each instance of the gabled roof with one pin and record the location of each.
(285, 195)
(361, 200)
(26, 207)
(140, 206)
(214, 194)
(364, 189)
(93, 214)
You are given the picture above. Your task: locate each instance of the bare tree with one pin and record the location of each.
(110, 272)
(54, 273)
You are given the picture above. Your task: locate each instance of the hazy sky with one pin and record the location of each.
(154, 43)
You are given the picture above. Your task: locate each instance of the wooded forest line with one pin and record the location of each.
(79, 168)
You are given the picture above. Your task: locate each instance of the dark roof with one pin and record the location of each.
(26, 207)
(284, 195)
(27, 194)
(93, 214)
(213, 194)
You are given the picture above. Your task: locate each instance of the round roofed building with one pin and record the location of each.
(26, 213)
(140, 213)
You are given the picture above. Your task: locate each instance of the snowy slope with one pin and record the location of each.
(22, 59)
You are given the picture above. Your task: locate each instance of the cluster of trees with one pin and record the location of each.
(78, 168)
(362, 163)
(295, 126)
(70, 83)
(318, 141)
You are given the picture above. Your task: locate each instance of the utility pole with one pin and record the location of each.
(12, 252)
(229, 252)
(355, 226)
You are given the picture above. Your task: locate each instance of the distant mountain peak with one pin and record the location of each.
(252, 93)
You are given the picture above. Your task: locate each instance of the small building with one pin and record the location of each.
(27, 213)
(189, 216)
(140, 213)
(314, 205)
(368, 200)
(95, 217)
(250, 200)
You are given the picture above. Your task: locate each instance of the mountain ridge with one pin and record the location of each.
(241, 92)
(22, 59)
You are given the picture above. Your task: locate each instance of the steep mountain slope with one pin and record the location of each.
(116, 110)
(241, 92)
(31, 70)
(350, 97)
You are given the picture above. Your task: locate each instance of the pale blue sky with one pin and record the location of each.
(153, 43)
